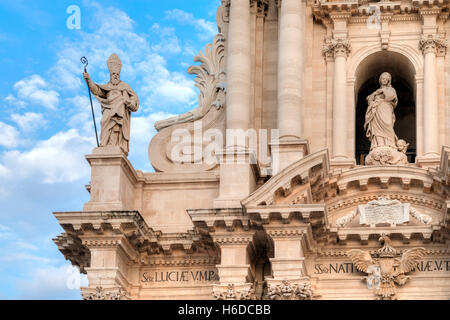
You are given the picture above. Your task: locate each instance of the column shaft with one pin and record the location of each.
(290, 69)
(430, 105)
(339, 107)
(238, 67)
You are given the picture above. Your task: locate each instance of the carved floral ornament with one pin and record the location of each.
(385, 269)
(433, 43)
(336, 47)
(231, 293)
(101, 293)
(290, 291)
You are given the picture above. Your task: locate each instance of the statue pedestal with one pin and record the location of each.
(342, 163)
(112, 180)
(386, 156)
(428, 161)
(238, 174)
(287, 151)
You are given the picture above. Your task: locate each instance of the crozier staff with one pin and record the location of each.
(118, 100)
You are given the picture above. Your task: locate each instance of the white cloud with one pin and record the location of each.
(5, 232)
(207, 29)
(32, 90)
(22, 256)
(53, 283)
(29, 121)
(12, 100)
(169, 41)
(9, 137)
(143, 64)
(58, 159)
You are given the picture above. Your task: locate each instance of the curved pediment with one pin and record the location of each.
(293, 182)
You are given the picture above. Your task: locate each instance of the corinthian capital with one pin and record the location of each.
(336, 47)
(261, 6)
(234, 292)
(434, 43)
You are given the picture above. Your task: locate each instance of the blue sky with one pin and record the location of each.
(45, 121)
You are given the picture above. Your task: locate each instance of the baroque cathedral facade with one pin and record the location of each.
(316, 165)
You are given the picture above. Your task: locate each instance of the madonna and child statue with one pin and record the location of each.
(385, 147)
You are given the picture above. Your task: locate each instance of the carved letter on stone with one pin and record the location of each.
(383, 210)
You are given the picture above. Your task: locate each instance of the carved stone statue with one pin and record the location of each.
(385, 147)
(386, 269)
(118, 100)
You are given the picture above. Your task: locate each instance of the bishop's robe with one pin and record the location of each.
(116, 114)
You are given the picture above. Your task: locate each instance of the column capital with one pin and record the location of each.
(290, 289)
(232, 291)
(339, 47)
(260, 6)
(433, 43)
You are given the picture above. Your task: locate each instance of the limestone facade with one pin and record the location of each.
(300, 216)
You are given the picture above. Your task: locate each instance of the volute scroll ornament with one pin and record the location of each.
(385, 270)
(210, 80)
(183, 142)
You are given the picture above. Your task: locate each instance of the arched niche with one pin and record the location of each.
(403, 75)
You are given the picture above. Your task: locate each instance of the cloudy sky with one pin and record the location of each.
(45, 118)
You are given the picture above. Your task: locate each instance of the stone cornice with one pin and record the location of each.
(215, 219)
(73, 250)
(298, 171)
(354, 200)
(365, 233)
(287, 213)
(329, 252)
(384, 174)
(359, 11)
(179, 261)
(121, 229)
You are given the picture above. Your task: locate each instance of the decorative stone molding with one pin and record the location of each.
(355, 200)
(180, 262)
(100, 293)
(426, 219)
(384, 210)
(434, 43)
(385, 270)
(234, 292)
(261, 6)
(342, 221)
(288, 290)
(322, 253)
(73, 250)
(312, 166)
(336, 47)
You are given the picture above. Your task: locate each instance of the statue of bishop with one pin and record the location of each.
(118, 100)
